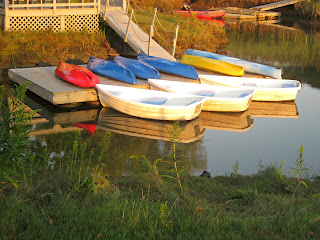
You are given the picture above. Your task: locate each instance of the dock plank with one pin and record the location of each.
(276, 5)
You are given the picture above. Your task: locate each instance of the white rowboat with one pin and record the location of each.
(150, 104)
(265, 89)
(224, 99)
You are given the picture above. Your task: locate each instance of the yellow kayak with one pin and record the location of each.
(208, 64)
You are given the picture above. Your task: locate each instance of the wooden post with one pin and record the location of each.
(6, 17)
(124, 6)
(150, 39)
(151, 30)
(105, 10)
(128, 5)
(128, 26)
(154, 16)
(98, 7)
(54, 6)
(175, 40)
(62, 23)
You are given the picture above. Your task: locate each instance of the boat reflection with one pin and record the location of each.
(117, 122)
(237, 122)
(274, 109)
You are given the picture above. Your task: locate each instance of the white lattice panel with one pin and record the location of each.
(82, 22)
(35, 23)
(70, 23)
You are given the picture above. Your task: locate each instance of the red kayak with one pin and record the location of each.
(202, 13)
(76, 75)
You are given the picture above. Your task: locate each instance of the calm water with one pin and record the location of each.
(269, 133)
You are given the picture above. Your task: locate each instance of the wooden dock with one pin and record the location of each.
(44, 83)
(243, 13)
(276, 5)
(137, 38)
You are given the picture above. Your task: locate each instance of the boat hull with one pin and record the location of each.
(248, 66)
(208, 64)
(202, 14)
(171, 67)
(171, 111)
(111, 69)
(76, 75)
(138, 68)
(261, 93)
(219, 104)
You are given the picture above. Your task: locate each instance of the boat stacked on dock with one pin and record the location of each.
(223, 99)
(176, 100)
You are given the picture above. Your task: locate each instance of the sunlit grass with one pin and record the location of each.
(43, 45)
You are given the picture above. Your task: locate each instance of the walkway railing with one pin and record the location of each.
(110, 4)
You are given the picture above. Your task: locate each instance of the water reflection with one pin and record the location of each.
(280, 47)
(117, 122)
(274, 109)
(237, 122)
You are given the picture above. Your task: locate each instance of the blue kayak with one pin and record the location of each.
(138, 68)
(250, 67)
(111, 69)
(168, 66)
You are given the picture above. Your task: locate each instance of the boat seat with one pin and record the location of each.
(243, 95)
(205, 93)
(288, 85)
(250, 85)
(114, 93)
(155, 100)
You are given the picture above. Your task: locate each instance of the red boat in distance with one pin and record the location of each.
(201, 13)
(76, 75)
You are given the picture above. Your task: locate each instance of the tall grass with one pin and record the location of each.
(193, 33)
(29, 47)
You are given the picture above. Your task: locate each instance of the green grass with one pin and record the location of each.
(29, 47)
(134, 209)
(193, 33)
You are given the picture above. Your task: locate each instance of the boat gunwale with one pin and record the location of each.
(192, 105)
(250, 95)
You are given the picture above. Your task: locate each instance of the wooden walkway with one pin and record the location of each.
(137, 38)
(276, 5)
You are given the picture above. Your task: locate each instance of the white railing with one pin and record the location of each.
(55, 5)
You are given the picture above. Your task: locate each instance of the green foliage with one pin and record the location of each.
(248, 194)
(235, 169)
(14, 127)
(173, 159)
(84, 177)
(299, 163)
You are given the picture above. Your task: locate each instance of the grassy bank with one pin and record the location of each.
(46, 195)
(30, 47)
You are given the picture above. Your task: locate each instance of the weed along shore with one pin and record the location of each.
(71, 195)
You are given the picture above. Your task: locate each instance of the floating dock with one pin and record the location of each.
(44, 83)
(243, 13)
(274, 5)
